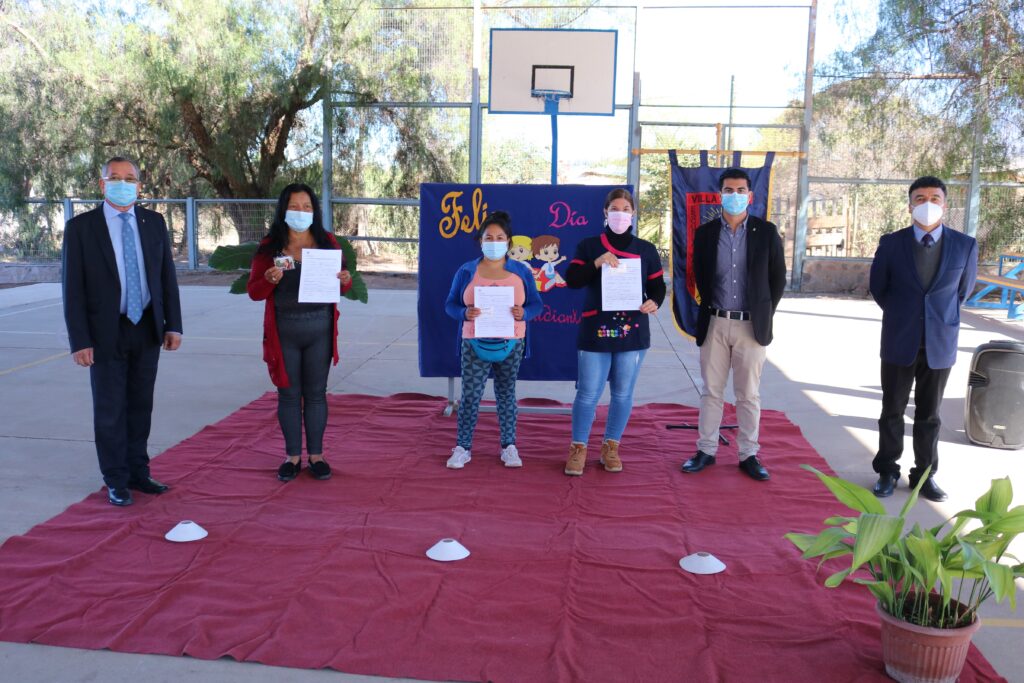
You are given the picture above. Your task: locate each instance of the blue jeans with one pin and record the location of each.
(595, 368)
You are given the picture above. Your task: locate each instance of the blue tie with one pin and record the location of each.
(133, 297)
(927, 241)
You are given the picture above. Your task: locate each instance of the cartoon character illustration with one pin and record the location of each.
(545, 248)
(521, 249)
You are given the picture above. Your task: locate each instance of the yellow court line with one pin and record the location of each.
(8, 371)
(1006, 623)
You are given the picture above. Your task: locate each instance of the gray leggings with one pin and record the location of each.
(306, 346)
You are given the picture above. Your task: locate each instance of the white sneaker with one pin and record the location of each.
(510, 456)
(460, 456)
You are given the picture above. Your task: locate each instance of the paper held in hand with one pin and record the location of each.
(495, 320)
(621, 288)
(318, 282)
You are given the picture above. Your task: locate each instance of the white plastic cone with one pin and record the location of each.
(186, 531)
(447, 550)
(702, 563)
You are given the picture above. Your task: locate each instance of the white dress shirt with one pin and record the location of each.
(114, 223)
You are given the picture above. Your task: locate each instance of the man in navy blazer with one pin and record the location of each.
(920, 277)
(121, 304)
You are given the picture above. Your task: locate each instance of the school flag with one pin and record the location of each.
(695, 200)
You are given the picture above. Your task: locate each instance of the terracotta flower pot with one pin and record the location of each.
(919, 654)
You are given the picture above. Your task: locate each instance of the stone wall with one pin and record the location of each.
(17, 273)
(828, 275)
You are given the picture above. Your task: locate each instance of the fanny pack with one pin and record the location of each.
(492, 350)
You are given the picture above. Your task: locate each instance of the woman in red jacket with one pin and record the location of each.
(299, 339)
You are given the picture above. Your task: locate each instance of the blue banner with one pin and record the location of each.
(548, 221)
(695, 201)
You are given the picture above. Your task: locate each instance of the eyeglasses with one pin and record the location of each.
(130, 179)
(729, 190)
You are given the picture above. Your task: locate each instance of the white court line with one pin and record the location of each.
(29, 310)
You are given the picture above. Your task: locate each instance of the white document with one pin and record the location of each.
(495, 304)
(318, 279)
(621, 289)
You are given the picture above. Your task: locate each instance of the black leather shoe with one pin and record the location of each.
(886, 484)
(753, 468)
(289, 470)
(931, 491)
(148, 485)
(698, 462)
(320, 469)
(119, 497)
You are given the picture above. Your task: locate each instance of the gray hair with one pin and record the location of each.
(113, 160)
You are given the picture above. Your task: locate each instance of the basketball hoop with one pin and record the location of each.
(550, 95)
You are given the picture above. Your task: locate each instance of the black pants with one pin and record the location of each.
(122, 402)
(896, 383)
(306, 347)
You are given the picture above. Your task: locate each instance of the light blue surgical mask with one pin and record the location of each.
(495, 250)
(120, 193)
(299, 221)
(735, 203)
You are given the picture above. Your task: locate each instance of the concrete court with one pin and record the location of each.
(822, 371)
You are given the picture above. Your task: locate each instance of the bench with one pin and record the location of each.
(1007, 284)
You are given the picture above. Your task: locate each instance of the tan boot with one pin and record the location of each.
(577, 459)
(610, 456)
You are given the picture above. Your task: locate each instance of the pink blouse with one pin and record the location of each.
(518, 295)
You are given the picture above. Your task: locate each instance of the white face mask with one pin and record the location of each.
(927, 214)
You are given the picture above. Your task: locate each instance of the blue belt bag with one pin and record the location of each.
(492, 350)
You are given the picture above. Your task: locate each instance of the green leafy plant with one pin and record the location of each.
(238, 257)
(935, 577)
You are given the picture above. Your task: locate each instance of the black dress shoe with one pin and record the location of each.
(320, 469)
(148, 485)
(931, 491)
(119, 497)
(753, 468)
(886, 484)
(698, 462)
(289, 470)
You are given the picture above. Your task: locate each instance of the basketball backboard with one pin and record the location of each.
(578, 61)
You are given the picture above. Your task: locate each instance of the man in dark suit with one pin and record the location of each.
(920, 277)
(120, 304)
(740, 271)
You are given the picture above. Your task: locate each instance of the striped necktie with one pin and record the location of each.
(133, 295)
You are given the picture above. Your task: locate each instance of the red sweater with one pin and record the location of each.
(261, 290)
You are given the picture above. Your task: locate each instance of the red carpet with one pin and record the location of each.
(570, 579)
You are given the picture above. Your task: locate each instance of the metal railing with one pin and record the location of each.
(34, 232)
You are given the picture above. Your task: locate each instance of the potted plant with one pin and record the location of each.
(928, 583)
(238, 257)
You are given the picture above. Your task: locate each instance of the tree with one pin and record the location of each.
(961, 61)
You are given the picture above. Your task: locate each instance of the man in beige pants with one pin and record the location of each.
(740, 272)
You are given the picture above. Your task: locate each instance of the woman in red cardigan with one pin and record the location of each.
(299, 339)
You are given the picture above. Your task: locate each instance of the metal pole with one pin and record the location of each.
(191, 233)
(633, 166)
(476, 113)
(552, 107)
(327, 104)
(69, 210)
(475, 131)
(802, 183)
(732, 101)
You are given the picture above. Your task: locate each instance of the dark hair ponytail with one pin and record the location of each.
(499, 218)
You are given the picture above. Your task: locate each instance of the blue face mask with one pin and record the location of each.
(495, 250)
(735, 203)
(120, 193)
(299, 221)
